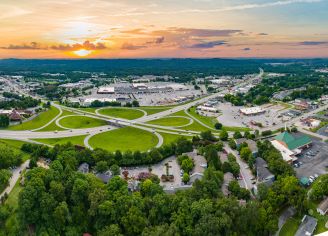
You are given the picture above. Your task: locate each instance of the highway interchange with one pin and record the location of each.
(140, 123)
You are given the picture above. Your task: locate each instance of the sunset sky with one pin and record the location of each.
(163, 28)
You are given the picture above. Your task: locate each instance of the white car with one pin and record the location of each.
(316, 175)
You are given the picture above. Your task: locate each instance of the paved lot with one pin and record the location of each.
(323, 131)
(314, 164)
(159, 169)
(231, 116)
(148, 99)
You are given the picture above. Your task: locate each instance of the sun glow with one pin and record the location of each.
(82, 52)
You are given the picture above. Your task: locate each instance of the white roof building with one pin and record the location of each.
(139, 85)
(251, 111)
(287, 155)
(210, 109)
(106, 90)
(88, 101)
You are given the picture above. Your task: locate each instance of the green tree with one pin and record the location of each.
(224, 135)
(112, 230)
(237, 135)
(218, 126)
(207, 135)
(115, 169)
(185, 178)
(4, 121)
(212, 158)
(101, 166)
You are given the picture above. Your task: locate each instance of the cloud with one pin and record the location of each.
(130, 46)
(263, 34)
(61, 47)
(215, 10)
(86, 45)
(211, 44)
(195, 32)
(31, 46)
(12, 11)
(313, 43)
(159, 40)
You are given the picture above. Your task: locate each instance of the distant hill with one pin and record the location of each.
(173, 67)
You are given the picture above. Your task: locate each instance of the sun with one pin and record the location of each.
(82, 52)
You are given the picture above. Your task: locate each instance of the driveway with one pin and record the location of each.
(14, 178)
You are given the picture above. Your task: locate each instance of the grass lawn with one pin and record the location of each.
(80, 122)
(234, 129)
(321, 219)
(53, 126)
(76, 140)
(12, 143)
(89, 109)
(15, 144)
(169, 138)
(170, 121)
(207, 120)
(39, 121)
(194, 126)
(125, 113)
(154, 110)
(123, 139)
(322, 124)
(322, 112)
(12, 199)
(290, 227)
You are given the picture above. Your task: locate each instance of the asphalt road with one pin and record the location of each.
(244, 169)
(14, 178)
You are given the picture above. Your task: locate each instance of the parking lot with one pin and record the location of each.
(231, 116)
(174, 169)
(314, 160)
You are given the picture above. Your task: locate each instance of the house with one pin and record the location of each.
(322, 209)
(15, 116)
(227, 178)
(105, 176)
(307, 227)
(195, 176)
(263, 174)
(290, 145)
(251, 144)
(84, 168)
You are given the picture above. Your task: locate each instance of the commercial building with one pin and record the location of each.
(139, 86)
(290, 146)
(310, 122)
(87, 102)
(106, 90)
(209, 109)
(252, 111)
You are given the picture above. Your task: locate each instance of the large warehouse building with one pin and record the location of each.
(106, 90)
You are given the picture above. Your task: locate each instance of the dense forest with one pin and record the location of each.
(185, 69)
(305, 84)
(16, 101)
(62, 201)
